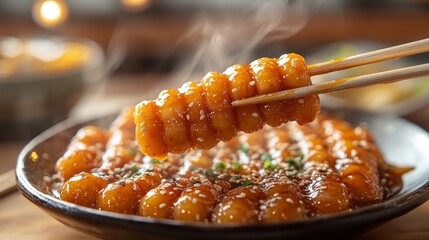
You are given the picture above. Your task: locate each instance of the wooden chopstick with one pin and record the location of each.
(353, 82)
(384, 54)
(340, 84)
(7, 182)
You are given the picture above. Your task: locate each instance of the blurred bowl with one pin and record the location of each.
(398, 98)
(41, 79)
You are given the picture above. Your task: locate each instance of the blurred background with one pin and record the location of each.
(86, 58)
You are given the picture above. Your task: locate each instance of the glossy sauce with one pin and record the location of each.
(274, 175)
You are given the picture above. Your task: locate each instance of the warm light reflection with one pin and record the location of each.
(135, 5)
(34, 156)
(50, 13)
(50, 10)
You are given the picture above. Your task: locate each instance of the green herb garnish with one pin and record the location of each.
(294, 163)
(266, 162)
(209, 173)
(298, 162)
(237, 177)
(268, 165)
(155, 161)
(194, 168)
(246, 183)
(244, 149)
(134, 168)
(266, 157)
(220, 166)
(236, 166)
(134, 151)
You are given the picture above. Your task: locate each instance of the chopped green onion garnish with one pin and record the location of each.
(133, 151)
(266, 157)
(244, 149)
(220, 166)
(236, 166)
(210, 173)
(155, 161)
(246, 183)
(134, 168)
(268, 165)
(194, 168)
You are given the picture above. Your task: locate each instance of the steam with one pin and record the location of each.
(217, 43)
(95, 92)
(232, 38)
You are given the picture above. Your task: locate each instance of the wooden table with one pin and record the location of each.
(20, 219)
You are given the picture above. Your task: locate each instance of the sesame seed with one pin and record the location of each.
(202, 195)
(200, 139)
(241, 195)
(47, 178)
(202, 117)
(197, 191)
(188, 117)
(252, 83)
(234, 90)
(301, 101)
(293, 62)
(255, 114)
(289, 200)
(191, 104)
(194, 200)
(162, 205)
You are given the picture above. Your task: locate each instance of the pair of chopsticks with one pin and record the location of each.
(398, 51)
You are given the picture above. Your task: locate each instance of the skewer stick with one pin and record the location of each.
(340, 84)
(402, 50)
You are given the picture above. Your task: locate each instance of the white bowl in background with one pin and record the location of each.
(41, 80)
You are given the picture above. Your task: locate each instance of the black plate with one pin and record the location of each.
(403, 144)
